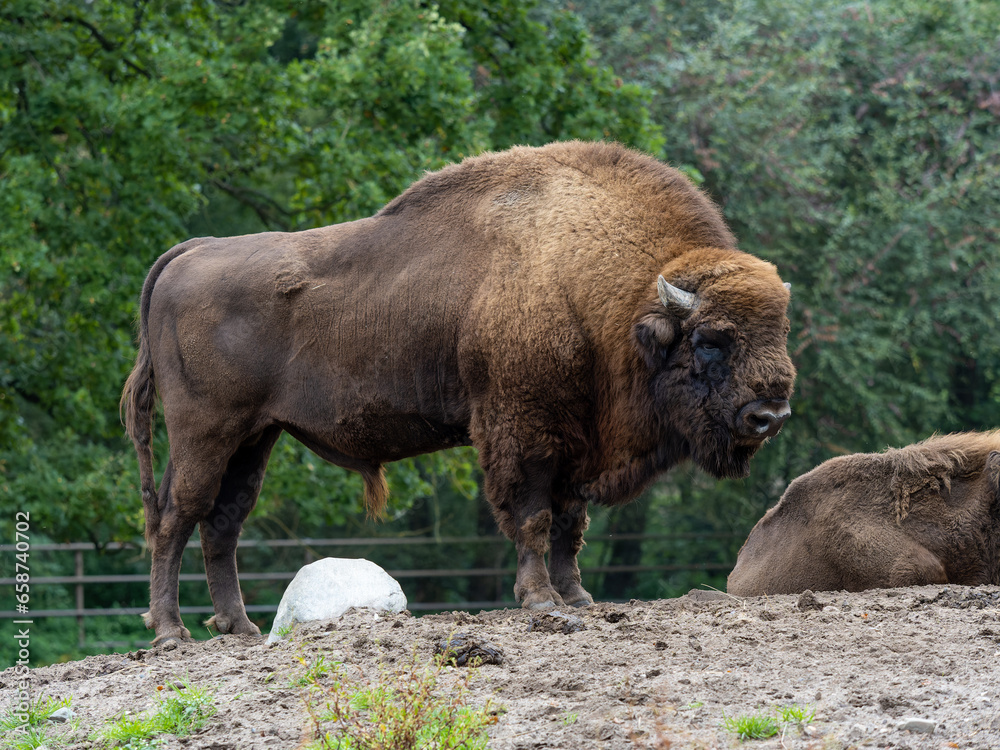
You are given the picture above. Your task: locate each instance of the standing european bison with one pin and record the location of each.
(927, 513)
(579, 313)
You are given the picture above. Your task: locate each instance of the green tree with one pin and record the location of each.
(125, 128)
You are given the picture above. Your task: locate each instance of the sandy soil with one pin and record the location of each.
(661, 674)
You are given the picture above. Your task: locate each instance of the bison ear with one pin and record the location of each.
(654, 334)
(993, 471)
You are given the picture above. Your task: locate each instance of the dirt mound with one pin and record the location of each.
(644, 674)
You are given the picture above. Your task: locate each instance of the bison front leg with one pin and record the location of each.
(566, 536)
(522, 505)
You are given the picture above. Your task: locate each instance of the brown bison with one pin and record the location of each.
(579, 313)
(927, 513)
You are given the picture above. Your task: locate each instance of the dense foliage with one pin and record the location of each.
(856, 145)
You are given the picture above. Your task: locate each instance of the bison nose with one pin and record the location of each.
(762, 419)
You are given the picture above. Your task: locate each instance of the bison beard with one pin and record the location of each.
(579, 313)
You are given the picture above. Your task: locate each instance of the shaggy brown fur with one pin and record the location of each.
(927, 513)
(509, 302)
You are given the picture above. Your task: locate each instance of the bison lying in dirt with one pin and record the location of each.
(578, 312)
(928, 513)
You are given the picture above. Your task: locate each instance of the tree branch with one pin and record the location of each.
(263, 205)
(105, 43)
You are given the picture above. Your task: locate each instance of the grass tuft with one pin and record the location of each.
(404, 709)
(316, 670)
(17, 734)
(762, 725)
(752, 726)
(185, 711)
(794, 714)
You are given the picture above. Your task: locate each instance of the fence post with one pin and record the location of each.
(81, 634)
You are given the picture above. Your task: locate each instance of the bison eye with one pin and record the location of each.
(710, 346)
(709, 351)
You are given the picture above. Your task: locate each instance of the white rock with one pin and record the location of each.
(917, 725)
(61, 715)
(329, 587)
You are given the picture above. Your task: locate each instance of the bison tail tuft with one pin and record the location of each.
(376, 491)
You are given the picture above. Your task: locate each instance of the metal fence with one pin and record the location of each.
(81, 580)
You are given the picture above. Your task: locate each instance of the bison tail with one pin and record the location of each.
(137, 407)
(376, 491)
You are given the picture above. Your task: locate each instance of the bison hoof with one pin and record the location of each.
(232, 626)
(180, 634)
(544, 599)
(574, 595)
(164, 633)
(548, 604)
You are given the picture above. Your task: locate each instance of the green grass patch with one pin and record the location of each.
(185, 710)
(752, 726)
(404, 709)
(764, 724)
(26, 730)
(316, 670)
(28, 738)
(794, 714)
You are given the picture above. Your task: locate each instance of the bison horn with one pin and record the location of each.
(674, 299)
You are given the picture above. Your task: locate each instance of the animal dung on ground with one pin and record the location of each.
(808, 601)
(555, 622)
(464, 649)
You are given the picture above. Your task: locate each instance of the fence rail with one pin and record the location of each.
(80, 580)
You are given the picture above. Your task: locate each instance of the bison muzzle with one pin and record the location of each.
(928, 513)
(579, 313)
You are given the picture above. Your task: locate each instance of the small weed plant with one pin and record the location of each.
(793, 714)
(316, 670)
(762, 725)
(752, 726)
(403, 710)
(27, 737)
(185, 710)
(18, 734)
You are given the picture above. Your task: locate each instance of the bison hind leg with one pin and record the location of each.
(220, 530)
(166, 545)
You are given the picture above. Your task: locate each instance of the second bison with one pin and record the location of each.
(928, 513)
